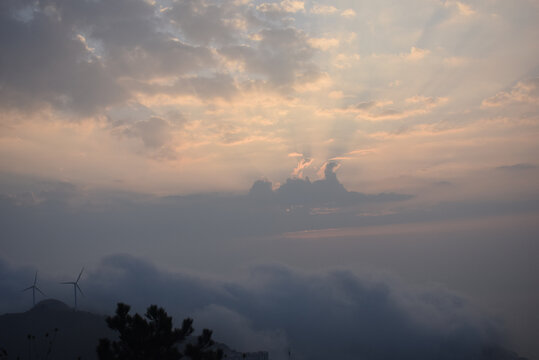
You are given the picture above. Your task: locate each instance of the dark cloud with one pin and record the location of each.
(86, 55)
(330, 315)
(326, 192)
(133, 39)
(42, 62)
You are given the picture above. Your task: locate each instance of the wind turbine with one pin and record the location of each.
(75, 287)
(34, 288)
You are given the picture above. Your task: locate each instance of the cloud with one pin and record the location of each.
(456, 61)
(204, 23)
(302, 164)
(283, 56)
(154, 132)
(403, 60)
(323, 9)
(324, 43)
(348, 13)
(295, 154)
(329, 169)
(317, 316)
(128, 218)
(90, 56)
(386, 110)
(76, 55)
(416, 54)
(524, 92)
(462, 8)
(235, 328)
(49, 64)
(206, 88)
(343, 61)
(327, 192)
(285, 6)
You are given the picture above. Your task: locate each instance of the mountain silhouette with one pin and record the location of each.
(53, 330)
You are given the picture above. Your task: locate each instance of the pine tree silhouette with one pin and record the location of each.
(153, 337)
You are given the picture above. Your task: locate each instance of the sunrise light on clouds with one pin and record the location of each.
(277, 126)
(176, 89)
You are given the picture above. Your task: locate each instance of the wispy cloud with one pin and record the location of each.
(526, 92)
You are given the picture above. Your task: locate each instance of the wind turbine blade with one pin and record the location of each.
(35, 279)
(42, 293)
(28, 288)
(78, 287)
(80, 275)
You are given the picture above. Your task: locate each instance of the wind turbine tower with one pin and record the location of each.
(34, 288)
(76, 287)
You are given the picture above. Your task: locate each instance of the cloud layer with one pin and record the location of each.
(315, 316)
(159, 96)
(91, 55)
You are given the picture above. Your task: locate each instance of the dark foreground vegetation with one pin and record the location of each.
(153, 337)
(53, 330)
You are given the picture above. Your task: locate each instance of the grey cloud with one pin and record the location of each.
(365, 105)
(414, 106)
(295, 205)
(154, 132)
(283, 56)
(134, 39)
(204, 23)
(279, 10)
(42, 62)
(76, 55)
(330, 315)
(218, 85)
(86, 55)
(162, 57)
(56, 214)
(326, 192)
(524, 92)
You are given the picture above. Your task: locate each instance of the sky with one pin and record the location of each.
(294, 151)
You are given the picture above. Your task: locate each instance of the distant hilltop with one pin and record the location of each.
(51, 305)
(54, 330)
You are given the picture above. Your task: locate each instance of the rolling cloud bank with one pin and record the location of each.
(315, 315)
